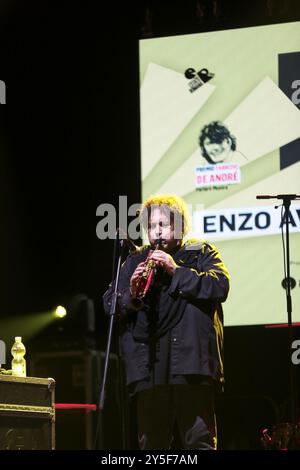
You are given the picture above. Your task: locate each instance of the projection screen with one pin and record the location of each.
(220, 124)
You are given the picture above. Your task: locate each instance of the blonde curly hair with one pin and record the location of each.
(172, 204)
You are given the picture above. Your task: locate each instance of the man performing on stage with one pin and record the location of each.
(172, 334)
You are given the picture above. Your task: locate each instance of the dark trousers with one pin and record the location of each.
(190, 406)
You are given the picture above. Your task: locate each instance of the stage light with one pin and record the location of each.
(60, 312)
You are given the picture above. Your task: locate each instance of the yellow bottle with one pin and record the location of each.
(18, 364)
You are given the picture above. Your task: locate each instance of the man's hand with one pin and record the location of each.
(164, 260)
(136, 275)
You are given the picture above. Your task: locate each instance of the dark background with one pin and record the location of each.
(69, 141)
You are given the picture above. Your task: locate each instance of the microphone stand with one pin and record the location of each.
(287, 204)
(287, 198)
(116, 274)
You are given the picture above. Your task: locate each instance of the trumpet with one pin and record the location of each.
(144, 281)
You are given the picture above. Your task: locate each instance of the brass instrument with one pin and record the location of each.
(144, 281)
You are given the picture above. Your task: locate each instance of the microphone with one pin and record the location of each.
(132, 247)
(279, 196)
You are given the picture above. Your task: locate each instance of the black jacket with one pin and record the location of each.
(188, 305)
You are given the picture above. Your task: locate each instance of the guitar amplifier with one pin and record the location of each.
(27, 413)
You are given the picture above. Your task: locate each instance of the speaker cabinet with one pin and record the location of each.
(78, 375)
(27, 413)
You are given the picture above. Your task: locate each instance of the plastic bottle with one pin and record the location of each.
(18, 364)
